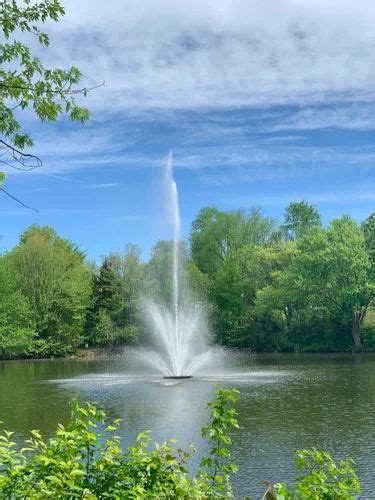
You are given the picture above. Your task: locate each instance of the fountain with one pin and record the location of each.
(179, 330)
(178, 336)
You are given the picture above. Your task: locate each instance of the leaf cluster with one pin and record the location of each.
(85, 460)
(24, 81)
(324, 479)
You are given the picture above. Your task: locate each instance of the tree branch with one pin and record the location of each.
(60, 91)
(17, 200)
(20, 158)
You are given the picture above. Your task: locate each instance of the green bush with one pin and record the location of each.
(47, 348)
(85, 460)
(324, 478)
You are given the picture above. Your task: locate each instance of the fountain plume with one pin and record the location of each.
(179, 330)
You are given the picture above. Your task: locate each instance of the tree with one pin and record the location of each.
(107, 304)
(299, 217)
(17, 324)
(158, 271)
(234, 291)
(330, 277)
(215, 234)
(368, 227)
(26, 83)
(338, 271)
(56, 283)
(130, 270)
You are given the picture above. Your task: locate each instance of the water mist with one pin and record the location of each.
(179, 329)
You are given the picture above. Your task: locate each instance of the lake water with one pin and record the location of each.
(287, 402)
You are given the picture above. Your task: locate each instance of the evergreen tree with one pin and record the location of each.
(104, 316)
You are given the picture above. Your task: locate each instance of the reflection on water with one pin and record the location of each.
(287, 402)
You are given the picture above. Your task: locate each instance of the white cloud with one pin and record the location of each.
(193, 54)
(103, 185)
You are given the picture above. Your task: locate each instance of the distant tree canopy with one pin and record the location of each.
(310, 288)
(299, 218)
(25, 83)
(368, 227)
(302, 287)
(216, 234)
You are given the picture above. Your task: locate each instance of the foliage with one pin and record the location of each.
(299, 218)
(234, 289)
(85, 460)
(17, 325)
(324, 478)
(215, 234)
(158, 272)
(368, 227)
(24, 81)
(110, 319)
(329, 282)
(261, 291)
(217, 467)
(56, 283)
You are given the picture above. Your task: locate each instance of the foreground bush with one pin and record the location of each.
(85, 460)
(323, 479)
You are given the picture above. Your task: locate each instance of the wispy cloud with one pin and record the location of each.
(103, 185)
(186, 55)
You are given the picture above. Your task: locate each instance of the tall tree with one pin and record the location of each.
(215, 234)
(17, 322)
(330, 275)
(55, 281)
(107, 304)
(299, 217)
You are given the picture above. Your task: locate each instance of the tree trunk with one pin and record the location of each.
(356, 334)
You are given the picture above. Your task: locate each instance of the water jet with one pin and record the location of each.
(179, 328)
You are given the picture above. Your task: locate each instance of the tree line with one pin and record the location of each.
(294, 286)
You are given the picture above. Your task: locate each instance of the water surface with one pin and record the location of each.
(287, 402)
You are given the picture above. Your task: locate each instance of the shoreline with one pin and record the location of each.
(97, 353)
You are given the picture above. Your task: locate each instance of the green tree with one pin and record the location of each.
(330, 277)
(368, 227)
(17, 324)
(25, 82)
(299, 217)
(338, 272)
(234, 291)
(130, 270)
(215, 234)
(56, 283)
(107, 304)
(158, 272)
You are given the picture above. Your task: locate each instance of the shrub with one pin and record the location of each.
(47, 348)
(85, 460)
(324, 478)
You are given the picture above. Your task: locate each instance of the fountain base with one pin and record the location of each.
(178, 377)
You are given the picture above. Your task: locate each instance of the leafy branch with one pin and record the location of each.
(25, 83)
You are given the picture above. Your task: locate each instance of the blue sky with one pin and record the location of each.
(261, 102)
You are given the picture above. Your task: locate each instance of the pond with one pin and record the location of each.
(287, 402)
